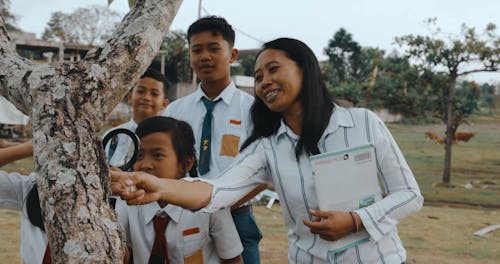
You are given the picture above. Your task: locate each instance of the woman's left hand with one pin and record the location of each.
(330, 225)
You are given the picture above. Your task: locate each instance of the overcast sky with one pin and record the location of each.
(372, 23)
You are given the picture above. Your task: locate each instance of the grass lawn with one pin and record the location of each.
(476, 162)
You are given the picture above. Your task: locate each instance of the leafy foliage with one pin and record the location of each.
(177, 66)
(9, 18)
(453, 56)
(245, 67)
(85, 25)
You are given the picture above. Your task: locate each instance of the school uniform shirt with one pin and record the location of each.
(231, 123)
(272, 160)
(121, 152)
(192, 237)
(14, 189)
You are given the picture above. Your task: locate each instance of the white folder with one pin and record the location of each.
(346, 180)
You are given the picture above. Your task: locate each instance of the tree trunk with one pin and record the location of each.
(68, 103)
(450, 131)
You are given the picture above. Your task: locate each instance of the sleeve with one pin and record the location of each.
(249, 170)
(122, 216)
(13, 189)
(403, 195)
(224, 234)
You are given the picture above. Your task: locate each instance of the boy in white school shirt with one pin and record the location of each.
(219, 114)
(148, 98)
(167, 149)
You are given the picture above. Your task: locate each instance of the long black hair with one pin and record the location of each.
(316, 102)
(182, 137)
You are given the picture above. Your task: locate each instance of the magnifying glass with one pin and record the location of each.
(122, 148)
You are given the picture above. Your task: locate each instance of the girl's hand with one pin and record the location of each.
(330, 225)
(136, 187)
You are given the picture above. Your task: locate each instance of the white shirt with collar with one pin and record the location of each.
(272, 160)
(121, 154)
(14, 189)
(188, 233)
(231, 123)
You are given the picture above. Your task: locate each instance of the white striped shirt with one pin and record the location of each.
(272, 160)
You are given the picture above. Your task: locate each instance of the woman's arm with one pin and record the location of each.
(403, 195)
(142, 188)
(242, 177)
(17, 152)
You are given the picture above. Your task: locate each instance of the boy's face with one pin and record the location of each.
(147, 98)
(210, 56)
(157, 157)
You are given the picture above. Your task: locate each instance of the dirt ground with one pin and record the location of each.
(436, 234)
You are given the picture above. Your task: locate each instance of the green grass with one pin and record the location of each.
(476, 162)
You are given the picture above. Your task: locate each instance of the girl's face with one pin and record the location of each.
(157, 157)
(278, 81)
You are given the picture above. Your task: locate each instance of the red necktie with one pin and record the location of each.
(159, 253)
(46, 256)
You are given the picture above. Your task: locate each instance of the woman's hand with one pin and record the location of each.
(135, 187)
(330, 225)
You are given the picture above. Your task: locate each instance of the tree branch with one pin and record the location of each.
(14, 72)
(485, 69)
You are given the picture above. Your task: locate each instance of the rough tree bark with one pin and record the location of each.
(67, 103)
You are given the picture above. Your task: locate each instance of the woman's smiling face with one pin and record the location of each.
(278, 80)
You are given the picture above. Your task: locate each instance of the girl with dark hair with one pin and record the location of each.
(294, 118)
(167, 151)
(18, 192)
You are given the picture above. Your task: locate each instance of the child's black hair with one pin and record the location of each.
(216, 25)
(181, 133)
(154, 74)
(33, 208)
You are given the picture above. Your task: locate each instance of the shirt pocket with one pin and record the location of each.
(229, 145)
(192, 242)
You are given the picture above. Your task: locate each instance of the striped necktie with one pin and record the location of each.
(206, 136)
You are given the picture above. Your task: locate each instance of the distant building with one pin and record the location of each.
(245, 83)
(38, 50)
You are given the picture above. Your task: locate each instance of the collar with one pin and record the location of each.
(284, 129)
(341, 117)
(132, 123)
(150, 210)
(226, 95)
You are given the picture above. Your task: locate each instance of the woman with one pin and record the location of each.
(294, 118)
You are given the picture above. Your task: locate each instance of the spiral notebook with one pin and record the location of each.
(346, 180)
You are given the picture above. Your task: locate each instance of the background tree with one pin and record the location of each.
(350, 67)
(177, 66)
(487, 99)
(245, 66)
(398, 87)
(56, 28)
(9, 18)
(85, 25)
(67, 103)
(455, 56)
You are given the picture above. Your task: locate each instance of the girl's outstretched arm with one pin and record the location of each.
(13, 153)
(141, 188)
